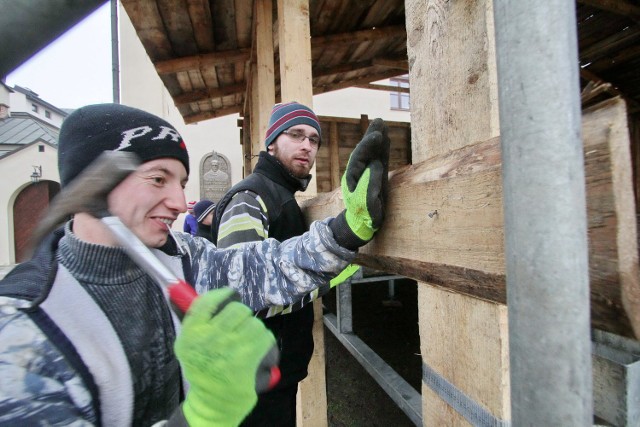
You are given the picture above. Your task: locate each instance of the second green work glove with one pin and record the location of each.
(364, 188)
(225, 354)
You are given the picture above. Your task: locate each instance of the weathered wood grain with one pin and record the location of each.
(460, 247)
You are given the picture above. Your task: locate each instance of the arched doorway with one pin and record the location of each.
(29, 207)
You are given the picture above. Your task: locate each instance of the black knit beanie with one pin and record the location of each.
(90, 130)
(202, 209)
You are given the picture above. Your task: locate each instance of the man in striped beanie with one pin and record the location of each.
(267, 198)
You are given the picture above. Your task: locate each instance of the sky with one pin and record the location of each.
(75, 69)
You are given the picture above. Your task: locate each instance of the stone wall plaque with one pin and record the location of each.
(215, 176)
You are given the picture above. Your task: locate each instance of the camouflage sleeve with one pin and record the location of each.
(38, 387)
(270, 273)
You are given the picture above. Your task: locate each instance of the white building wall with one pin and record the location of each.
(16, 171)
(20, 104)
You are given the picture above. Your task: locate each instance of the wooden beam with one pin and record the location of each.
(206, 94)
(634, 106)
(460, 247)
(334, 155)
(385, 88)
(619, 7)
(206, 115)
(399, 64)
(380, 75)
(196, 62)
(360, 36)
(605, 46)
(265, 92)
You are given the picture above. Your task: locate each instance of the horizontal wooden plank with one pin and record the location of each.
(444, 221)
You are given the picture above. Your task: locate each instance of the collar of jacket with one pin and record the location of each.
(271, 167)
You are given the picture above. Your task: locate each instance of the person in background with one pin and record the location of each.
(88, 338)
(190, 224)
(262, 206)
(203, 211)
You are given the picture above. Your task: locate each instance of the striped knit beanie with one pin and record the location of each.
(202, 209)
(283, 116)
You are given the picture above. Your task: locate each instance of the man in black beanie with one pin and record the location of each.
(88, 338)
(203, 211)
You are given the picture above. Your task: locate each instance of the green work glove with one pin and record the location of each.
(225, 354)
(364, 188)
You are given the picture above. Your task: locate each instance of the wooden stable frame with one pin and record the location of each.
(444, 224)
(444, 217)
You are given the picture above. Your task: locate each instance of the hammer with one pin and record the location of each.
(88, 193)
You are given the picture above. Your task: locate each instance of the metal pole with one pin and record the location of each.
(115, 55)
(545, 213)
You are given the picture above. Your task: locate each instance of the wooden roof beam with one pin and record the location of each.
(633, 105)
(358, 66)
(387, 74)
(386, 88)
(220, 112)
(397, 63)
(619, 7)
(206, 94)
(360, 36)
(195, 62)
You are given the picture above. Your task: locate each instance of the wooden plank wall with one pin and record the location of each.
(412, 244)
(340, 136)
(463, 338)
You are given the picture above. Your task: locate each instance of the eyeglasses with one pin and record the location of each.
(299, 135)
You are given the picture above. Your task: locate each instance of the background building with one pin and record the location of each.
(29, 166)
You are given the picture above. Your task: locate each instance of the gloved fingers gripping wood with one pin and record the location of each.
(364, 188)
(226, 354)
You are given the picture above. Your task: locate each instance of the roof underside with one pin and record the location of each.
(202, 49)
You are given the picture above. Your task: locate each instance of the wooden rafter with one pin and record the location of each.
(200, 61)
(242, 55)
(634, 106)
(205, 94)
(400, 64)
(220, 112)
(386, 88)
(619, 7)
(359, 36)
(381, 75)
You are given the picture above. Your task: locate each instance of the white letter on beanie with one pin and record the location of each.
(165, 131)
(130, 134)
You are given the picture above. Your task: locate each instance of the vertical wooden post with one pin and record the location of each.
(334, 154)
(295, 60)
(262, 84)
(264, 77)
(463, 339)
(296, 85)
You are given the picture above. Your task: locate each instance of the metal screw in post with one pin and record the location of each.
(432, 213)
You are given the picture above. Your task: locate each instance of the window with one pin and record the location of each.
(34, 108)
(40, 148)
(400, 99)
(47, 114)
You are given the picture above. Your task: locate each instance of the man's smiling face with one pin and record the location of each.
(151, 199)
